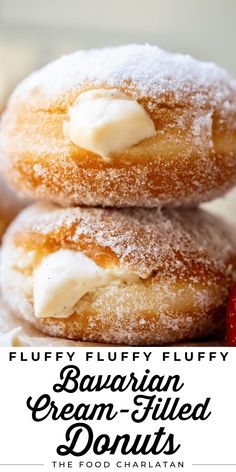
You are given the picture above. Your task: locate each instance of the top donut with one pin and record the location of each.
(125, 126)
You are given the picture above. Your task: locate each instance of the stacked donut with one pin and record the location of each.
(120, 145)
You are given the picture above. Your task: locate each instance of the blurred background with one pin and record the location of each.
(33, 32)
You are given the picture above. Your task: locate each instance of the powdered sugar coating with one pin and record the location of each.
(145, 70)
(191, 159)
(186, 261)
(164, 242)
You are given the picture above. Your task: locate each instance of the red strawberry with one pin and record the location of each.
(231, 319)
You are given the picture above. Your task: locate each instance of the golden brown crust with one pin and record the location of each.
(191, 159)
(3, 225)
(145, 328)
(168, 242)
(186, 261)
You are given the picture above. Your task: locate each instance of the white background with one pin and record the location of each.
(23, 441)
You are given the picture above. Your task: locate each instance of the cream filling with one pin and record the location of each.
(64, 277)
(107, 121)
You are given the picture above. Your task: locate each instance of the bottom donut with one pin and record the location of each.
(130, 277)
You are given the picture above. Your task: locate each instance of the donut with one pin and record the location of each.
(125, 126)
(120, 276)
